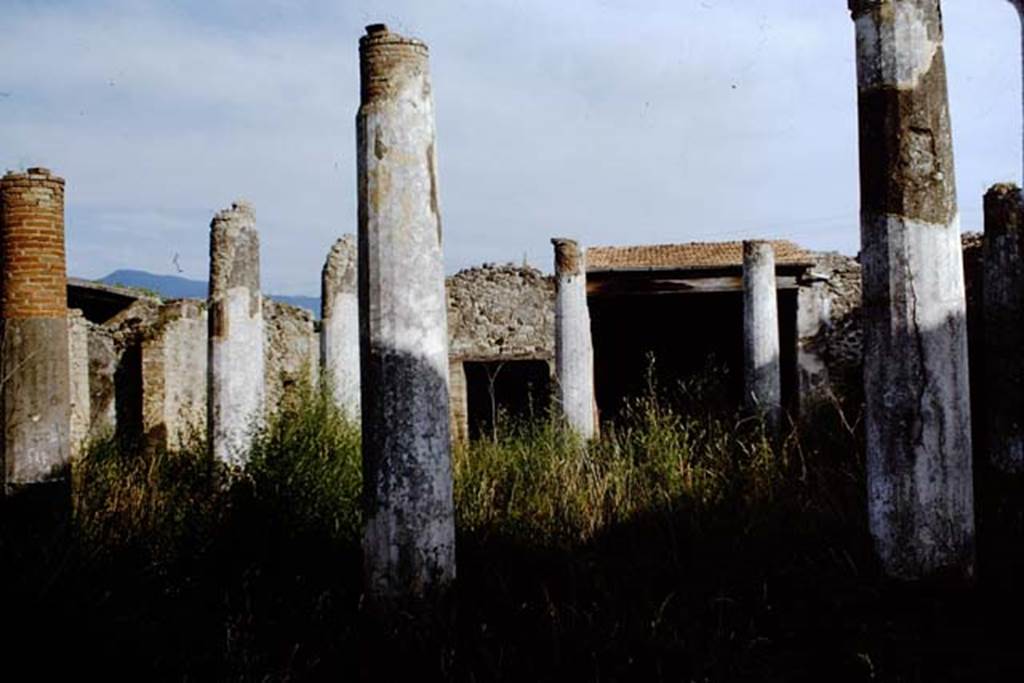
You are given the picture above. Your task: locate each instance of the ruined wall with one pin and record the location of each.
(146, 368)
(173, 361)
(291, 348)
(840, 341)
(501, 311)
(103, 357)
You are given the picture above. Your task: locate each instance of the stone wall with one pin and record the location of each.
(499, 311)
(173, 361)
(840, 342)
(103, 357)
(291, 349)
(146, 367)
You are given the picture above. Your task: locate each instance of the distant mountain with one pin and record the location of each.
(167, 286)
(174, 287)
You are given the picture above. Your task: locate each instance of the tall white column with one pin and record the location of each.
(339, 325)
(409, 538)
(762, 378)
(574, 354)
(235, 370)
(918, 417)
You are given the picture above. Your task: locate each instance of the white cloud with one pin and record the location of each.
(612, 121)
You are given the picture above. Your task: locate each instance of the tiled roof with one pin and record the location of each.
(690, 255)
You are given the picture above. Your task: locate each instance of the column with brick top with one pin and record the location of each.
(574, 354)
(409, 537)
(917, 415)
(339, 325)
(762, 378)
(235, 371)
(35, 391)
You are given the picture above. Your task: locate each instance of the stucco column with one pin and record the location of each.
(574, 353)
(235, 371)
(34, 369)
(762, 379)
(339, 325)
(917, 418)
(1004, 326)
(409, 536)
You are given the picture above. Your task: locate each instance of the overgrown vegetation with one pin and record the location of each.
(682, 545)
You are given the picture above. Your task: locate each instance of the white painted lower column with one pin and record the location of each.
(574, 354)
(235, 373)
(339, 326)
(762, 378)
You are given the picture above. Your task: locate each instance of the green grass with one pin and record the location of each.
(681, 545)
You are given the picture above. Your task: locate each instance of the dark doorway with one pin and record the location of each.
(673, 338)
(505, 390)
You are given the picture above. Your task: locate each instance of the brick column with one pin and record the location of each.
(339, 325)
(235, 373)
(35, 390)
(917, 416)
(409, 538)
(574, 353)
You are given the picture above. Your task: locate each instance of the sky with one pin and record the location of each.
(610, 121)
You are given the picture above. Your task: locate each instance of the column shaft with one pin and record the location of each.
(762, 378)
(34, 367)
(1003, 308)
(235, 373)
(339, 325)
(917, 418)
(574, 354)
(409, 537)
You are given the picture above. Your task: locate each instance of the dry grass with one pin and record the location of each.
(682, 545)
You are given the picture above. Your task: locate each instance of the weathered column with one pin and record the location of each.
(917, 417)
(235, 369)
(1004, 325)
(762, 379)
(34, 370)
(574, 353)
(339, 325)
(409, 539)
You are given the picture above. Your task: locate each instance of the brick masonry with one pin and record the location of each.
(34, 275)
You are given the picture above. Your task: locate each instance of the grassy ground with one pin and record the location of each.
(675, 548)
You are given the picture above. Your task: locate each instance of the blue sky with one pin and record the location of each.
(615, 122)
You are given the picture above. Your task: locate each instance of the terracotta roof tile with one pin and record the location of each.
(689, 255)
